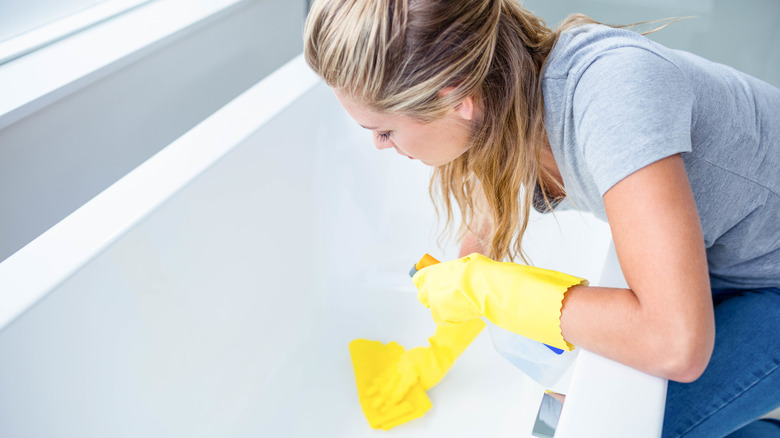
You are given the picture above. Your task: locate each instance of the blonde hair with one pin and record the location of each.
(395, 56)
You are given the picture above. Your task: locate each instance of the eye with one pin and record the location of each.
(384, 136)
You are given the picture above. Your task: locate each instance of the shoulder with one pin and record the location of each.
(620, 104)
(602, 71)
(579, 48)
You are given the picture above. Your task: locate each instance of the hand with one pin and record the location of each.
(371, 359)
(519, 298)
(390, 388)
(445, 289)
(423, 366)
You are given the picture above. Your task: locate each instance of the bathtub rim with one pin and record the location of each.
(50, 259)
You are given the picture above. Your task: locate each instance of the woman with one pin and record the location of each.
(678, 154)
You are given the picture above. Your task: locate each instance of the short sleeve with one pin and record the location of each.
(631, 108)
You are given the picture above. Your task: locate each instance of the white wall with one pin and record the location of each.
(57, 158)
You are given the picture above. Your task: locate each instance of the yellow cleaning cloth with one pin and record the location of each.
(370, 359)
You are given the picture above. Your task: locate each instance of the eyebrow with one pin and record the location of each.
(366, 127)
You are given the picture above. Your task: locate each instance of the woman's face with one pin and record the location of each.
(434, 143)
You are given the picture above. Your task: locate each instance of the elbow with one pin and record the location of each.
(684, 339)
(687, 361)
(686, 371)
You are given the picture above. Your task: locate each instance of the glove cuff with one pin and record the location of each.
(541, 316)
(535, 298)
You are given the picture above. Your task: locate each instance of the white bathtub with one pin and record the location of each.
(213, 291)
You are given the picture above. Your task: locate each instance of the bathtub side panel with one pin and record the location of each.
(168, 330)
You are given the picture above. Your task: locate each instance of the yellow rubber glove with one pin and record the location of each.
(519, 298)
(392, 382)
(369, 360)
(424, 365)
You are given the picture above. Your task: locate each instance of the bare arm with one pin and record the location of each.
(476, 241)
(663, 325)
(470, 244)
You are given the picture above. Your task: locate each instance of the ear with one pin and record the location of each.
(465, 109)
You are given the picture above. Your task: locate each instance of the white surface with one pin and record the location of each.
(30, 82)
(64, 248)
(64, 154)
(214, 290)
(18, 17)
(47, 32)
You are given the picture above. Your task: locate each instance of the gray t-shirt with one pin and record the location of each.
(616, 101)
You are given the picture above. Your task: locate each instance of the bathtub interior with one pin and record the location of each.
(227, 311)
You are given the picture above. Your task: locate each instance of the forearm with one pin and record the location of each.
(469, 245)
(614, 323)
(476, 238)
(665, 325)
